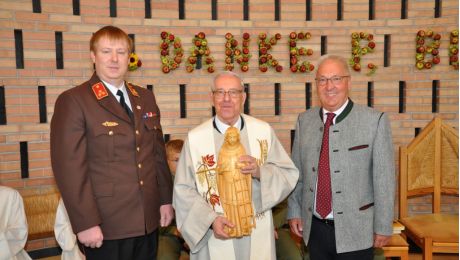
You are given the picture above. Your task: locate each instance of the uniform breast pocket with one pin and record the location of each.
(105, 143)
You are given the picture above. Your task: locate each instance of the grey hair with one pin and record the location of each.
(227, 73)
(339, 59)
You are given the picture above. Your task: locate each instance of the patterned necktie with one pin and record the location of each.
(123, 103)
(323, 189)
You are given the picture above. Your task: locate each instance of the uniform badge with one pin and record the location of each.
(109, 124)
(149, 114)
(133, 91)
(99, 91)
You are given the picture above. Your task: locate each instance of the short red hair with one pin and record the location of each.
(113, 34)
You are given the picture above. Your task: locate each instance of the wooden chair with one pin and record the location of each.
(429, 165)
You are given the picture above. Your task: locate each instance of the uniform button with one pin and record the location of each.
(137, 132)
(155, 127)
(139, 165)
(138, 149)
(311, 190)
(309, 209)
(110, 132)
(141, 182)
(138, 107)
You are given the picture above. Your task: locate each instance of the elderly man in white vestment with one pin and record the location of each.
(199, 212)
(13, 225)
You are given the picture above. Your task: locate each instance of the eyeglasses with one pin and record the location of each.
(335, 80)
(233, 93)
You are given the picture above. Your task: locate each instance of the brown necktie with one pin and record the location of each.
(323, 189)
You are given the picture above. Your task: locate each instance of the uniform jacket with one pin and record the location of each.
(111, 170)
(362, 174)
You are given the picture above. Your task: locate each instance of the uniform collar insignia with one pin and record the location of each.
(100, 91)
(133, 91)
(109, 124)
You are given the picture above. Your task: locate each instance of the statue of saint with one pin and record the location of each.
(234, 187)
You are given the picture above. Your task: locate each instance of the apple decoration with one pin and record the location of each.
(266, 59)
(233, 53)
(170, 63)
(422, 49)
(200, 53)
(357, 51)
(295, 52)
(134, 62)
(453, 49)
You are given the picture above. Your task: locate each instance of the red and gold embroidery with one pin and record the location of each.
(133, 91)
(99, 91)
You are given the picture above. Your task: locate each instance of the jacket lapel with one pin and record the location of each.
(106, 99)
(136, 103)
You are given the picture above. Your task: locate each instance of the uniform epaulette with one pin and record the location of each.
(131, 88)
(99, 91)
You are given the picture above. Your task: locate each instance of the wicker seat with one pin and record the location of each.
(41, 213)
(429, 165)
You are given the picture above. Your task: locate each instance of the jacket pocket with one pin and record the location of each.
(358, 147)
(367, 206)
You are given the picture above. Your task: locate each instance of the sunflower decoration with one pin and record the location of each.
(357, 51)
(134, 62)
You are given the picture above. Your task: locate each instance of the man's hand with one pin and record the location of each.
(296, 226)
(250, 166)
(166, 215)
(91, 237)
(381, 240)
(218, 227)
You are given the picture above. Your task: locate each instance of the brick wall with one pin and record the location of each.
(26, 122)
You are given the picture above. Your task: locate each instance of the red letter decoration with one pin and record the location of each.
(422, 48)
(453, 49)
(199, 51)
(233, 53)
(357, 51)
(265, 58)
(295, 52)
(167, 62)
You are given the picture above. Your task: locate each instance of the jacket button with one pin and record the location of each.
(309, 209)
(141, 183)
(110, 132)
(138, 148)
(138, 107)
(313, 169)
(139, 165)
(137, 132)
(311, 190)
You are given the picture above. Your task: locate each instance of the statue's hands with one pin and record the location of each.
(250, 166)
(218, 227)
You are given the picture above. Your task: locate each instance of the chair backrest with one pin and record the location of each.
(41, 212)
(429, 165)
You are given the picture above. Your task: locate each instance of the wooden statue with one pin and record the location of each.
(234, 187)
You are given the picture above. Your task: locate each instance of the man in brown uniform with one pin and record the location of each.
(108, 157)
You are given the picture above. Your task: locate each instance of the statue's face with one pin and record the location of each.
(233, 138)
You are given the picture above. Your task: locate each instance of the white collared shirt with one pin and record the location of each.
(222, 127)
(114, 90)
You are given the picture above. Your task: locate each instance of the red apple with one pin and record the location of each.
(244, 68)
(263, 68)
(279, 68)
(436, 60)
(165, 69)
(246, 36)
(371, 45)
(357, 67)
(228, 36)
(428, 65)
(201, 35)
(293, 68)
(164, 35)
(278, 36)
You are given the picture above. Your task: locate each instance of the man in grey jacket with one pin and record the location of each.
(343, 203)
